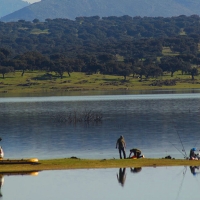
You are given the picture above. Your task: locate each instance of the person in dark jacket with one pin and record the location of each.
(121, 145)
(136, 152)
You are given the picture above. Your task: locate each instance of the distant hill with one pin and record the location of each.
(9, 6)
(74, 8)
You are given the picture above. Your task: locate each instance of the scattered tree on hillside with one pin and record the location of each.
(5, 70)
(194, 72)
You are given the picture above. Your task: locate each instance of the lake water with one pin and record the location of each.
(174, 183)
(158, 124)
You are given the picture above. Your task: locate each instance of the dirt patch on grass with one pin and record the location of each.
(82, 82)
(163, 82)
(115, 83)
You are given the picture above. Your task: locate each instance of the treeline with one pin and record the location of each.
(109, 45)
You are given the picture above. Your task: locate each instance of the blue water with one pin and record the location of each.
(159, 125)
(165, 183)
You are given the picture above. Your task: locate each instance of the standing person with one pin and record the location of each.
(121, 145)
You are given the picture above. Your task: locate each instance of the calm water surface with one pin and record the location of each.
(158, 124)
(166, 183)
(155, 123)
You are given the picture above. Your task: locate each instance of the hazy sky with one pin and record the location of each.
(31, 1)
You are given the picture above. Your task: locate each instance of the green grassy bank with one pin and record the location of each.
(40, 83)
(69, 163)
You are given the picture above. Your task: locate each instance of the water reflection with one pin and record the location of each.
(122, 176)
(194, 169)
(136, 169)
(2, 174)
(1, 183)
(166, 183)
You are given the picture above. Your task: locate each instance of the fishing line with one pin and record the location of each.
(177, 149)
(184, 172)
(183, 149)
(196, 143)
(181, 143)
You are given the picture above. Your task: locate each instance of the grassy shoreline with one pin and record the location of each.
(35, 83)
(69, 164)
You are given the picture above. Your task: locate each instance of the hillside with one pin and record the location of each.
(10, 6)
(71, 9)
(145, 51)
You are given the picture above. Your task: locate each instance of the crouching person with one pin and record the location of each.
(136, 152)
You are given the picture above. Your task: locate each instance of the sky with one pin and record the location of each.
(31, 1)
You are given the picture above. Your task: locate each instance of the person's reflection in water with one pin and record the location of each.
(122, 176)
(136, 169)
(1, 183)
(193, 170)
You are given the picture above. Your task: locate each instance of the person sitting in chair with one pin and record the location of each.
(193, 155)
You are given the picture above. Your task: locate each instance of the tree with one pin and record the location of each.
(19, 65)
(104, 58)
(59, 68)
(36, 21)
(5, 70)
(153, 71)
(92, 66)
(29, 61)
(124, 70)
(5, 52)
(194, 72)
(62, 64)
(171, 64)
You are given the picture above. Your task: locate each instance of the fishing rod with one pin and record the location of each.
(196, 143)
(183, 148)
(181, 144)
(177, 149)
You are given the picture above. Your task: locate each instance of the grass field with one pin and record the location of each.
(40, 83)
(71, 163)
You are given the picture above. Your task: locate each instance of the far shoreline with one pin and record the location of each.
(99, 92)
(32, 85)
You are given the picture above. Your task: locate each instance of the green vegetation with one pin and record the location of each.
(168, 52)
(38, 31)
(90, 53)
(39, 83)
(72, 163)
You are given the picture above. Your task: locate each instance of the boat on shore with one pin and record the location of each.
(19, 161)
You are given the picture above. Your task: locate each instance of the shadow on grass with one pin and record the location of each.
(6, 77)
(117, 80)
(47, 76)
(111, 80)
